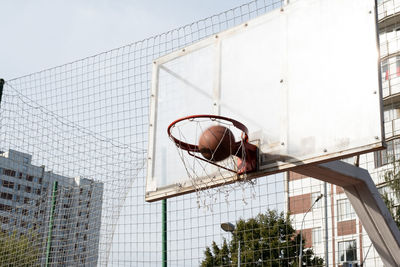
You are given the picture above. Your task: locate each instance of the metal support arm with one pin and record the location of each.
(367, 203)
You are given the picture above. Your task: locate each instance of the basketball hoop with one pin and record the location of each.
(216, 135)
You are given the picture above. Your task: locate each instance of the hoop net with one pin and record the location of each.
(205, 174)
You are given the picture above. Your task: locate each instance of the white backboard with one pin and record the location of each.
(304, 80)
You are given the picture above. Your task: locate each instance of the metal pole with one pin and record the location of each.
(164, 209)
(301, 230)
(326, 224)
(53, 207)
(239, 255)
(164, 233)
(301, 245)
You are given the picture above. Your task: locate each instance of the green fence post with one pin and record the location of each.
(53, 207)
(164, 233)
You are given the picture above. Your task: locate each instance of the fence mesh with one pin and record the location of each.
(74, 141)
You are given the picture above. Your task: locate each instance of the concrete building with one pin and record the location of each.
(64, 212)
(331, 226)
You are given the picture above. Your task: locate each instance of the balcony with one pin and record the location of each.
(391, 87)
(392, 128)
(389, 47)
(387, 8)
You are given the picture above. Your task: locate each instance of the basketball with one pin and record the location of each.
(216, 143)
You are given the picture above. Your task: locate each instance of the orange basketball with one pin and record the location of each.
(216, 143)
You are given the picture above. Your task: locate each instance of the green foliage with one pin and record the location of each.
(266, 240)
(392, 195)
(18, 250)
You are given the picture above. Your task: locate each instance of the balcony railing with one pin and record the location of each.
(389, 47)
(387, 8)
(392, 128)
(391, 86)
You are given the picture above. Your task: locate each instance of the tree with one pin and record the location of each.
(391, 196)
(18, 250)
(266, 240)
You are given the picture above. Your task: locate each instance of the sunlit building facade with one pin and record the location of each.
(63, 213)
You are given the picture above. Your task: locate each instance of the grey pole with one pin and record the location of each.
(239, 254)
(301, 229)
(229, 227)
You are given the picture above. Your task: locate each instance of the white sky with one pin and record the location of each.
(40, 34)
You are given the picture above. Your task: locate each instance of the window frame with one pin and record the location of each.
(343, 251)
(387, 155)
(316, 232)
(345, 211)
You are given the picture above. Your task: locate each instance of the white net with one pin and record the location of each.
(200, 150)
(71, 178)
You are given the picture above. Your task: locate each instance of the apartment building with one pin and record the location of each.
(64, 212)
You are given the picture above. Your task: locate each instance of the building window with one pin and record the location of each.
(397, 66)
(385, 70)
(26, 160)
(4, 219)
(5, 207)
(9, 172)
(388, 155)
(390, 68)
(8, 184)
(347, 251)
(7, 196)
(345, 210)
(28, 189)
(391, 112)
(316, 236)
(29, 178)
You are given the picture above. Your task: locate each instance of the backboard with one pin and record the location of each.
(304, 80)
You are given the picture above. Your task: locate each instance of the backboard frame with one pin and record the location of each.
(186, 187)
